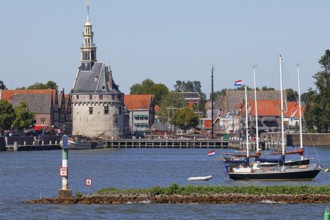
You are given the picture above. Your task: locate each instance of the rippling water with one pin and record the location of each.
(35, 174)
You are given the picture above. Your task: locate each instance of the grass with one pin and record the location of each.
(191, 189)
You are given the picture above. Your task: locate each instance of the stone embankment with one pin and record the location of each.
(187, 199)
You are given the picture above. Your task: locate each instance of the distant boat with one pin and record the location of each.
(81, 143)
(200, 178)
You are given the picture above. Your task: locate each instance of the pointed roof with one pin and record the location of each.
(97, 80)
(139, 102)
(158, 126)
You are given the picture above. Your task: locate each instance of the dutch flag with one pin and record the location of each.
(211, 153)
(238, 83)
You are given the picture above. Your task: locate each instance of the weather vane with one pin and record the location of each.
(88, 2)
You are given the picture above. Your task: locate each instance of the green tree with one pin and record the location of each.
(185, 118)
(149, 87)
(2, 85)
(7, 115)
(265, 88)
(317, 113)
(172, 101)
(38, 85)
(291, 95)
(192, 86)
(24, 118)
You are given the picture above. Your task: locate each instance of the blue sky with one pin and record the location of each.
(166, 40)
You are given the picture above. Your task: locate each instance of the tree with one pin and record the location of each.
(185, 118)
(2, 85)
(218, 93)
(24, 118)
(317, 113)
(291, 95)
(38, 85)
(149, 87)
(265, 88)
(7, 115)
(191, 86)
(172, 101)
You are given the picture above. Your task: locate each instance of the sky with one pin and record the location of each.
(166, 41)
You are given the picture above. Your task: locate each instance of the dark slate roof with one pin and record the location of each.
(95, 80)
(158, 126)
(37, 103)
(191, 95)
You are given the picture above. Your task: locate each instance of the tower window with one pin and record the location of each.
(106, 110)
(90, 110)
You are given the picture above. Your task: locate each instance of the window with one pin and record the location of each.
(106, 110)
(77, 96)
(119, 110)
(90, 110)
(115, 118)
(43, 120)
(113, 97)
(100, 96)
(90, 97)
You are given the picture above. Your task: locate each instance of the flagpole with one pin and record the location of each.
(212, 136)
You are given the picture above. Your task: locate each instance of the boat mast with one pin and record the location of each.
(212, 70)
(282, 108)
(246, 123)
(299, 105)
(256, 108)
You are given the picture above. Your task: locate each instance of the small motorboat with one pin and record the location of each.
(200, 178)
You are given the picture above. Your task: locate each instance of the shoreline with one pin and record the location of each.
(215, 198)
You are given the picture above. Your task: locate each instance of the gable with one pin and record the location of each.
(139, 102)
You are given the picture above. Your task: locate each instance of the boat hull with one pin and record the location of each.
(72, 145)
(287, 163)
(200, 178)
(294, 174)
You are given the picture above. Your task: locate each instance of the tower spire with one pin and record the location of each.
(87, 12)
(88, 50)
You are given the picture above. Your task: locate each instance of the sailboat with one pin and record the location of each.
(233, 160)
(281, 172)
(300, 151)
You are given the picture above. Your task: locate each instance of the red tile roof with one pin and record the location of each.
(138, 102)
(272, 108)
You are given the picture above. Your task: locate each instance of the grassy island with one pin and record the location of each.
(201, 189)
(175, 194)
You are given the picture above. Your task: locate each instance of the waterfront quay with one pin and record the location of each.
(170, 143)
